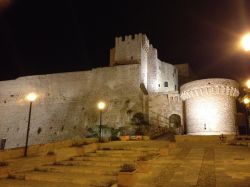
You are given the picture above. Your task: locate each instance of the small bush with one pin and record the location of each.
(146, 157)
(127, 168)
(13, 176)
(142, 158)
(41, 169)
(79, 144)
(51, 153)
(140, 122)
(2, 164)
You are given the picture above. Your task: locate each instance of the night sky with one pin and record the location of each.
(49, 36)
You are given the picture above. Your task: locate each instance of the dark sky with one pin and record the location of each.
(49, 36)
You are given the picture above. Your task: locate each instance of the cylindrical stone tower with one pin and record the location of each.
(210, 106)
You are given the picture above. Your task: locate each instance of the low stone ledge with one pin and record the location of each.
(43, 149)
(199, 138)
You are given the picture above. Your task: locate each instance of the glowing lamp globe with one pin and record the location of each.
(245, 42)
(101, 105)
(248, 83)
(246, 100)
(31, 97)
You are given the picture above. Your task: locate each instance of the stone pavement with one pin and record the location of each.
(197, 163)
(200, 164)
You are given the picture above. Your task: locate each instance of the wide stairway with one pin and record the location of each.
(97, 169)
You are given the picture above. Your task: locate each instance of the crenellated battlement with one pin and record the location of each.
(217, 90)
(131, 38)
(206, 87)
(136, 49)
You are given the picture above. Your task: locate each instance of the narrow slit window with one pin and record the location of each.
(165, 84)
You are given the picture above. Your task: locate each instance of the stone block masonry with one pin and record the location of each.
(66, 104)
(210, 106)
(162, 106)
(136, 81)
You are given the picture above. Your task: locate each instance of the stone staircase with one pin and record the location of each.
(97, 169)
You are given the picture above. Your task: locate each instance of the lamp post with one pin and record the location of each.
(245, 44)
(101, 106)
(246, 100)
(31, 97)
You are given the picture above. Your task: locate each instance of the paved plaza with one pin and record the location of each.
(187, 163)
(201, 164)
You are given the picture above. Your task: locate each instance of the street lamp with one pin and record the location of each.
(248, 83)
(101, 106)
(246, 101)
(31, 97)
(245, 42)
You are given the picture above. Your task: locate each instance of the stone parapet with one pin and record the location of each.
(209, 87)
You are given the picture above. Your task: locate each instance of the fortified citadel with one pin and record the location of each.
(136, 81)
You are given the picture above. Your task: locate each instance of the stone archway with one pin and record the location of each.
(175, 121)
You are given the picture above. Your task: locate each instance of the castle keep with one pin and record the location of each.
(136, 81)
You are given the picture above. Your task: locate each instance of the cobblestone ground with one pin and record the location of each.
(207, 171)
(200, 165)
(167, 173)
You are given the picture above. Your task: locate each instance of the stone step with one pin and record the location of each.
(94, 163)
(124, 152)
(101, 158)
(31, 183)
(129, 148)
(75, 178)
(111, 170)
(113, 154)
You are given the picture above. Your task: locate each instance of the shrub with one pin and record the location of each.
(3, 164)
(126, 130)
(127, 168)
(146, 157)
(139, 120)
(51, 153)
(142, 158)
(79, 144)
(115, 134)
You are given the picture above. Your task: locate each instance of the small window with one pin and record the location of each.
(159, 85)
(175, 87)
(165, 84)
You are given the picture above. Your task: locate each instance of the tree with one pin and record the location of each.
(140, 122)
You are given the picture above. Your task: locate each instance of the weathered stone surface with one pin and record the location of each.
(66, 103)
(154, 73)
(210, 106)
(162, 106)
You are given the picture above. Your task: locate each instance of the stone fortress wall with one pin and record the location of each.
(66, 104)
(162, 106)
(159, 78)
(210, 106)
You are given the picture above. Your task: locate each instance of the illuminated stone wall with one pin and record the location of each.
(66, 106)
(154, 73)
(210, 106)
(167, 73)
(162, 106)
